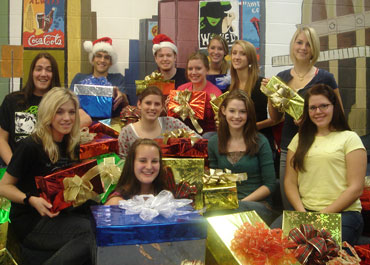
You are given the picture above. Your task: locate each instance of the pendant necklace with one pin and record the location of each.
(301, 77)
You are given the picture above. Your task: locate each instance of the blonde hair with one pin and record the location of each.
(48, 107)
(252, 68)
(313, 40)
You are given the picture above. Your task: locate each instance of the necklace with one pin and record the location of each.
(301, 77)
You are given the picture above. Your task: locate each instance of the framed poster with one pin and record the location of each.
(250, 22)
(43, 24)
(219, 18)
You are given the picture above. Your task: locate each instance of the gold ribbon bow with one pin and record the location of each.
(218, 176)
(79, 189)
(184, 109)
(180, 133)
(154, 76)
(283, 97)
(86, 136)
(109, 172)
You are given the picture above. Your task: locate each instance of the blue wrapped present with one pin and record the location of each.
(127, 239)
(95, 100)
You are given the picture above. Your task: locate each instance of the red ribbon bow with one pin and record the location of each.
(314, 246)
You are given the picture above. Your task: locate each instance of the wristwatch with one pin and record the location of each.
(26, 200)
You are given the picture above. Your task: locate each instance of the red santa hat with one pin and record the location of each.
(100, 45)
(162, 41)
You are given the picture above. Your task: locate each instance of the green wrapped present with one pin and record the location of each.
(4, 204)
(284, 98)
(331, 222)
(189, 170)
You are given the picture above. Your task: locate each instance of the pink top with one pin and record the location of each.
(208, 123)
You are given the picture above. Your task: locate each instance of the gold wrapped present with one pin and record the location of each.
(6, 258)
(189, 170)
(155, 79)
(284, 98)
(219, 189)
(115, 124)
(331, 222)
(221, 230)
(217, 101)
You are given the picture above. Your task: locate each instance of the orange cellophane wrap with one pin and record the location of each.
(187, 104)
(258, 245)
(155, 79)
(101, 144)
(51, 187)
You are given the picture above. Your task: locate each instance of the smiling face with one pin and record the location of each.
(101, 63)
(216, 51)
(235, 114)
(63, 120)
(301, 48)
(196, 71)
(151, 107)
(42, 75)
(320, 111)
(239, 58)
(146, 165)
(165, 59)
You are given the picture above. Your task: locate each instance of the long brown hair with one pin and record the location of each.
(128, 185)
(252, 68)
(250, 132)
(151, 90)
(29, 87)
(224, 65)
(308, 129)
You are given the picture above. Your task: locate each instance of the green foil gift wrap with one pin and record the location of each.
(219, 189)
(284, 98)
(221, 230)
(331, 222)
(189, 170)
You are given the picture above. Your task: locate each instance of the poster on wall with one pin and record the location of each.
(152, 29)
(43, 23)
(250, 22)
(220, 18)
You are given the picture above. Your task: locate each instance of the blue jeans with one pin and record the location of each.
(284, 199)
(352, 226)
(69, 235)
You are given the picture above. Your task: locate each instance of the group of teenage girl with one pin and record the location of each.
(322, 165)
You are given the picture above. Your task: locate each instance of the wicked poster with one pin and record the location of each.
(250, 21)
(219, 18)
(43, 23)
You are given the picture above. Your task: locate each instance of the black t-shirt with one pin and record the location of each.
(290, 128)
(179, 77)
(28, 161)
(18, 119)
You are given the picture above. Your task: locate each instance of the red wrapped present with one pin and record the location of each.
(363, 252)
(182, 143)
(187, 104)
(130, 114)
(99, 127)
(101, 144)
(72, 186)
(155, 79)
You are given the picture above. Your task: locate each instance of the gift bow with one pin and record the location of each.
(79, 189)
(180, 133)
(109, 173)
(86, 136)
(149, 206)
(184, 109)
(154, 76)
(282, 96)
(218, 176)
(4, 210)
(314, 246)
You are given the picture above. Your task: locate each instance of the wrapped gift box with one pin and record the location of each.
(183, 147)
(331, 222)
(164, 85)
(101, 144)
(52, 187)
(126, 239)
(96, 100)
(190, 171)
(220, 196)
(113, 126)
(221, 230)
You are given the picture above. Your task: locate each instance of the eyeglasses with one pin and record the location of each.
(322, 107)
(99, 56)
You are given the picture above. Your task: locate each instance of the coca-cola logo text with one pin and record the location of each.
(45, 40)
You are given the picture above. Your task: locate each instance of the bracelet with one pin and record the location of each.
(26, 200)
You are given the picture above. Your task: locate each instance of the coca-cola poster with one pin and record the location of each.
(43, 23)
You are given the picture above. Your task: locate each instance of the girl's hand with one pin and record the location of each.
(119, 98)
(42, 206)
(265, 81)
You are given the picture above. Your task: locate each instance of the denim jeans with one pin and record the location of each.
(284, 199)
(69, 235)
(352, 226)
